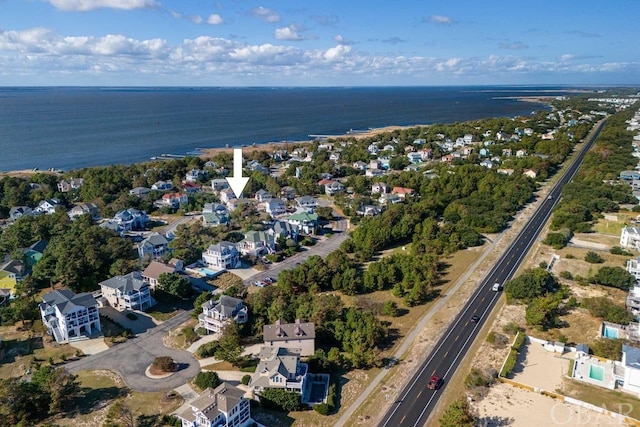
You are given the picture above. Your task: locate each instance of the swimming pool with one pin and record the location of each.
(596, 372)
(610, 332)
(209, 273)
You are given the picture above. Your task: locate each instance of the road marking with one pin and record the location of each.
(445, 355)
(402, 420)
(457, 336)
(419, 394)
(483, 298)
(433, 373)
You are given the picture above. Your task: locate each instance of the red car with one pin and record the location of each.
(434, 383)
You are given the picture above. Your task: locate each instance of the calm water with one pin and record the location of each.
(69, 128)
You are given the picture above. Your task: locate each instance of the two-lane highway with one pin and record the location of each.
(416, 401)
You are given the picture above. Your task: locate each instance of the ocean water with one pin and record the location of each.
(69, 128)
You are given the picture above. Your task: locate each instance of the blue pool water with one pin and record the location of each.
(596, 372)
(610, 332)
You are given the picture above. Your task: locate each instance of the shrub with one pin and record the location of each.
(616, 277)
(190, 336)
(569, 256)
(617, 250)
(171, 420)
(607, 310)
(543, 264)
(566, 275)
(321, 408)
(207, 380)
(477, 378)
(608, 348)
(512, 328)
(132, 316)
(207, 350)
(593, 258)
(390, 308)
(498, 340)
(246, 379)
(164, 364)
(281, 399)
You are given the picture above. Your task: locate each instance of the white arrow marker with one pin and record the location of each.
(237, 182)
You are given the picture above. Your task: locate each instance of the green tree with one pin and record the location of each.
(458, 414)
(616, 277)
(119, 415)
(593, 258)
(275, 398)
(207, 380)
(175, 284)
(390, 308)
(229, 347)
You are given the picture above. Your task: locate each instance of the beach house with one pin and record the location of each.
(68, 316)
(154, 246)
(298, 335)
(128, 292)
(152, 273)
(630, 238)
(223, 255)
(216, 315)
(279, 368)
(224, 406)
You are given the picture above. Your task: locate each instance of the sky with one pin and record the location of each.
(318, 43)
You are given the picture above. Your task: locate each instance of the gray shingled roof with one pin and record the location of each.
(287, 331)
(226, 305)
(272, 360)
(126, 284)
(66, 300)
(211, 402)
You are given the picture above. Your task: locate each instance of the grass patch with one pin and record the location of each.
(221, 366)
(612, 400)
(162, 311)
(604, 226)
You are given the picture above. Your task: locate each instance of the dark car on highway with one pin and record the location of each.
(435, 383)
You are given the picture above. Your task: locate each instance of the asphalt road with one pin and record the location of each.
(416, 401)
(132, 357)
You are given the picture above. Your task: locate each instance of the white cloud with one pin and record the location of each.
(214, 19)
(86, 5)
(43, 55)
(341, 40)
(440, 19)
(292, 32)
(514, 46)
(196, 19)
(266, 14)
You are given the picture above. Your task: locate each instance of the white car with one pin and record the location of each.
(496, 287)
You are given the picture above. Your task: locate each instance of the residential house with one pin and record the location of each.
(256, 243)
(154, 246)
(191, 187)
(218, 314)
(403, 192)
(305, 221)
(630, 238)
(334, 157)
(633, 297)
(214, 219)
(194, 174)
(505, 171)
(255, 165)
(219, 184)
(19, 211)
(162, 185)
(419, 141)
(224, 406)
(390, 148)
(373, 149)
(68, 316)
(130, 219)
(389, 199)
(306, 204)
(373, 173)
(331, 187)
(279, 368)
(361, 166)
(11, 272)
(288, 193)
(506, 152)
(414, 158)
(275, 207)
(369, 210)
(487, 163)
(631, 363)
(282, 228)
(484, 152)
(468, 138)
(226, 195)
(48, 206)
(521, 153)
(128, 292)
(90, 209)
(172, 200)
(375, 164)
(67, 185)
(447, 158)
(215, 208)
(299, 336)
(152, 273)
(385, 162)
(139, 191)
(426, 154)
(262, 196)
(629, 175)
(530, 173)
(34, 253)
(633, 267)
(223, 255)
(379, 188)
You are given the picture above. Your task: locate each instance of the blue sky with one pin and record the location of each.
(318, 43)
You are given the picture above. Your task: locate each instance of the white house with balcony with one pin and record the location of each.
(306, 203)
(128, 292)
(222, 256)
(280, 368)
(216, 315)
(630, 238)
(68, 316)
(275, 207)
(256, 243)
(154, 246)
(224, 406)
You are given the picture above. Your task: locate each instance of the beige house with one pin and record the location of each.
(224, 406)
(300, 336)
(279, 368)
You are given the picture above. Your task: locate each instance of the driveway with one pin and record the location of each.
(322, 249)
(142, 324)
(131, 358)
